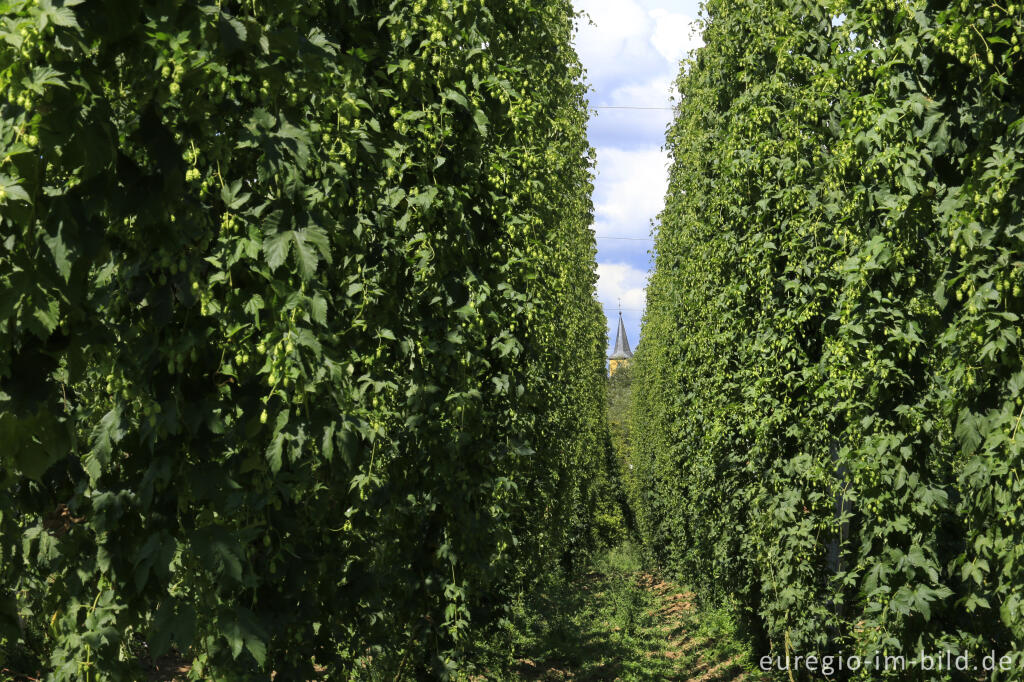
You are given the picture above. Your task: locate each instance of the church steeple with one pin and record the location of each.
(621, 354)
(622, 351)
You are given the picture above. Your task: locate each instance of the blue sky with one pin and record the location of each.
(631, 50)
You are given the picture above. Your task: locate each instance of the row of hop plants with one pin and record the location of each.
(300, 366)
(828, 396)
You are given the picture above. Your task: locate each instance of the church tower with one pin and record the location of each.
(621, 354)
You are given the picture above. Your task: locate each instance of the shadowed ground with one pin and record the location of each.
(617, 623)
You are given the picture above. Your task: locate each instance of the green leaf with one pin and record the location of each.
(317, 236)
(480, 118)
(48, 317)
(276, 249)
(12, 191)
(257, 648)
(301, 243)
(235, 638)
(105, 435)
(274, 452)
(60, 251)
(232, 196)
(234, 27)
(254, 304)
(457, 97)
(305, 256)
(41, 77)
(424, 198)
(60, 16)
(327, 444)
(318, 309)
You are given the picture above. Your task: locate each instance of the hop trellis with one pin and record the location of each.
(297, 321)
(830, 382)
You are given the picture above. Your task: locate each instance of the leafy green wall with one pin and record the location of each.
(828, 394)
(299, 358)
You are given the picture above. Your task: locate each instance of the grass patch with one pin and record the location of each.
(615, 622)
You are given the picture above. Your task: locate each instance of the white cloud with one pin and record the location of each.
(674, 34)
(652, 93)
(615, 44)
(621, 281)
(619, 40)
(631, 53)
(630, 190)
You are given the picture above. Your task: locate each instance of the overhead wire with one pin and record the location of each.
(628, 310)
(632, 239)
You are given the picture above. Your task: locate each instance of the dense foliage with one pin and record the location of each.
(829, 389)
(615, 499)
(299, 357)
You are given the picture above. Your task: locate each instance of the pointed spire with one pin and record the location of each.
(621, 351)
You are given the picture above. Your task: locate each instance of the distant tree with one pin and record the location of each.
(620, 388)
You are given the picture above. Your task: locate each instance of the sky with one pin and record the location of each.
(631, 50)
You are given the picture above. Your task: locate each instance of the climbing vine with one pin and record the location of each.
(827, 400)
(300, 367)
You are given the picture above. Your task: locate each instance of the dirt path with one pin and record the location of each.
(691, 647)
(618, 623)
